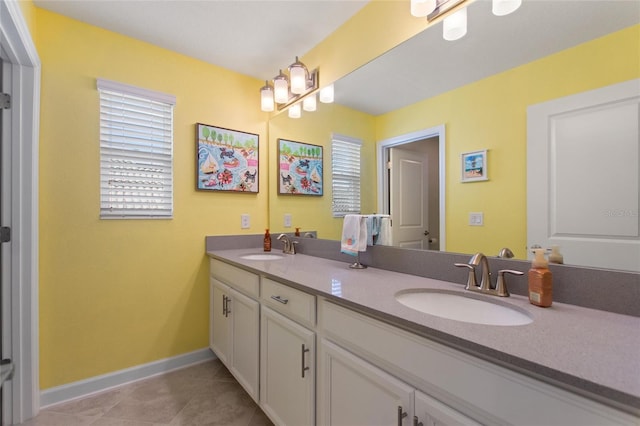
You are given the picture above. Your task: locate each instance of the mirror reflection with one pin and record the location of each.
(478, 89)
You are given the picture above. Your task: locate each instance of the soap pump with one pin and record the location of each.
(555, 256)
(267, 240)
(540, 281)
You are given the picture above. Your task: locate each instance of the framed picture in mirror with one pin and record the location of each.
(474, 166)
(299, 168)
(227, 160)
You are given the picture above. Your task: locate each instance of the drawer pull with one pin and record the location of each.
(401, 415)
(303, 367)
(224, 305)
(280, 299)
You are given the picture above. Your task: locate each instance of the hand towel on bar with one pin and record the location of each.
(384, 236)
(354, 234)
(373, 228)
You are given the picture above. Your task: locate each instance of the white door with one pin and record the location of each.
(356, 393)
(431, 412)
(5, 252)
(287, 370)
(583, 176)
(409, 198)
(219, 328)
(245, 339)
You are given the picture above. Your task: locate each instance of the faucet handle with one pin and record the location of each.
(471, 281)
(501, 284)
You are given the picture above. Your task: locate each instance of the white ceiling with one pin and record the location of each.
(256, 38)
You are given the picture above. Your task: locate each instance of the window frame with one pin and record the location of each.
(152, 155)
(344, 177)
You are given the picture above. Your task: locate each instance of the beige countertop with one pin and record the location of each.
(595, 353)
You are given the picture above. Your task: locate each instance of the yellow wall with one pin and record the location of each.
(119, 293)
(311, 212)
(491, 114)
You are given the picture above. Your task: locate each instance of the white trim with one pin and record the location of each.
(114, 86)
(18, 45)
(382, 146)
(83, 388)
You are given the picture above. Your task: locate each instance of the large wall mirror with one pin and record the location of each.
(478, 90)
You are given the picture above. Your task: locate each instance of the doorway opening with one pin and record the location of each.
(411, 187)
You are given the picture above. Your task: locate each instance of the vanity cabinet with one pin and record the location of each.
(287, 370)
(235, 327)
(450, 387)
(356, 392)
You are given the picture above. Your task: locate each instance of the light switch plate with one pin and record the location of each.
(287, 220)
(476, 219)
(245, 222)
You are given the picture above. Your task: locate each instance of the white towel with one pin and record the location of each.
(354, 234)
(384, 235)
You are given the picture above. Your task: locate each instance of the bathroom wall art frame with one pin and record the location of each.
(226, 160)
(474, 166)
(300, 168)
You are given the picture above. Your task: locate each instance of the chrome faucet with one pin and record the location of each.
(505, 252)
(481, 260)
(289, 246)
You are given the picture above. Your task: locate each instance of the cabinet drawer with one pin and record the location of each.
(295, 304)
(237, 278)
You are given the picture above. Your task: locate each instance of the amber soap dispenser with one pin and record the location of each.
(540, 281)
(267, 240)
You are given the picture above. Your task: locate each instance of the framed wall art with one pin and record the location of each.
(474, 166)
(227, 160)
(299, 168)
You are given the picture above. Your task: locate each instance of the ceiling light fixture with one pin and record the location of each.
(421, 8)
(309, 103)
(326, 94)
(295, 111)
(288, 90)
(505, 7)
(266, 97)
(454, 26)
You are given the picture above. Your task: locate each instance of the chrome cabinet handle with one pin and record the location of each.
(224, 305)
(280, 299)
(303, 366)
(401, 415)
(415, 421)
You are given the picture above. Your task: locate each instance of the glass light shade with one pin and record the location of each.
(504, 7)
(309, 103)
(298, 76)
(266, 98)
(422, 8)
(326, 94)
(454, 26)
(281, 88)
(295, 111)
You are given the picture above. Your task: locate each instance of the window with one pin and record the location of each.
(136, 152)
(345, 168)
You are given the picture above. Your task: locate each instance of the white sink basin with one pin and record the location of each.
(262, 256)
(460, 307)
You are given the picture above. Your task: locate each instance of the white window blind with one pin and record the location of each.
(136, 152)
(345, 168)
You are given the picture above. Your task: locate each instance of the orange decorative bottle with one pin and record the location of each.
(540, 283)
(267, 240)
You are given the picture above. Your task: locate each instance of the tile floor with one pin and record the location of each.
(203, 394)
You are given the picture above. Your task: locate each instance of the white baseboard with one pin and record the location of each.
(82, 388)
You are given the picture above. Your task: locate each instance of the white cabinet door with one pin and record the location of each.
(287, 370)
(354, 392)
(244, 313)
(431, 412)
(219, 329)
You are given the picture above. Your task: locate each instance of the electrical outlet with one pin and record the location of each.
(287, 220)
(245, 221)
(476, 219)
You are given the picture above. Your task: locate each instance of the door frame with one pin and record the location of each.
(17, 43)
(383, 157)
